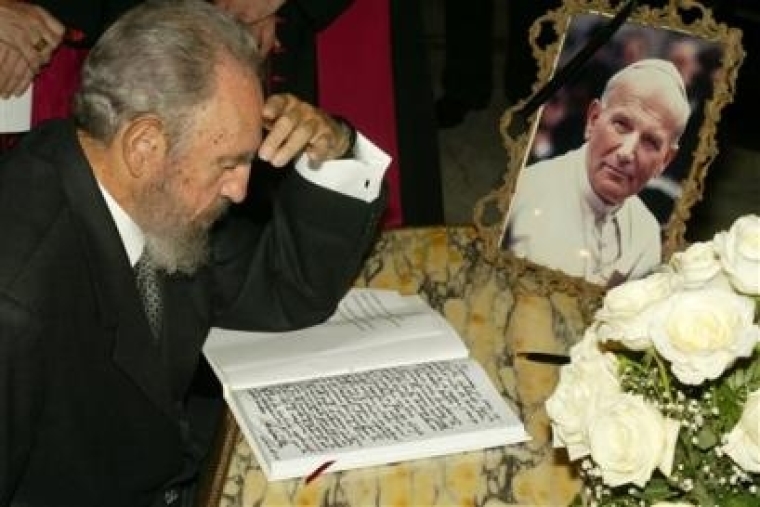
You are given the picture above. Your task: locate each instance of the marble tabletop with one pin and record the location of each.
(498, 316)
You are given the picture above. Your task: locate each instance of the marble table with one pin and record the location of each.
(498, 316)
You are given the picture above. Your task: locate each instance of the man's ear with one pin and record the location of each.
(592, 115)
(144, 145)
(669, 156)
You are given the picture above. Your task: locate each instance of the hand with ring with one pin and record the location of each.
(28, 37)
(40, 45)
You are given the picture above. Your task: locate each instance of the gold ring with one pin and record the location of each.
(40, 45)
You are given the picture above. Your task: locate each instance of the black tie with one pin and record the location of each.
(149, 287)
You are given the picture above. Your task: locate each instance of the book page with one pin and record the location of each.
(16, 113)
(376, 417)
(371, 329)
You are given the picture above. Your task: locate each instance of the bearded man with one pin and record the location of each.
(93, 374)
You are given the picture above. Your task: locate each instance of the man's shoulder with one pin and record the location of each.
(640, 215)
(548, 172)
(557, 162)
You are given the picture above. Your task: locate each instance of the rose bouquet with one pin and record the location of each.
(660, 403)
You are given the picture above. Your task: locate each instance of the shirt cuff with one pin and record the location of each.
(360, 177)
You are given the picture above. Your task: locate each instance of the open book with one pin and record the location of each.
(385, 379)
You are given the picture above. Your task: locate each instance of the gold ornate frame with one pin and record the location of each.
(686, 18)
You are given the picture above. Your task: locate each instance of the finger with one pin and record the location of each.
(265, 46)
(46, 42)
(50, 28)
(321, 148)
(4, 73)
(263, 33)
(267, 37)
(14, 71)
(21, 30)
(274, 107)
(45, 49)
(34, 58)
(279, 131)
(24, 46)
(23, 77)
(294, 144)
(52, 39)
(17, 74)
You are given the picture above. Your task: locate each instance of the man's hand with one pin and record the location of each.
(250, 11)
(15, 72)
(296, 126)
(28, 37)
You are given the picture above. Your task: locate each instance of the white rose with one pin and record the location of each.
(625, 312)
(743, 443)
(739, 253)
(697, 265)
(631, 298)
(581, 385)
(629, 438)
(703, 332)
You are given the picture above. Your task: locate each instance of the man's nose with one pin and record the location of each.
(235, 185)
(627, 147)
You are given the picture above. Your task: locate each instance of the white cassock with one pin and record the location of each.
(557, 221)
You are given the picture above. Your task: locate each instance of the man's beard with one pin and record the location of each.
(174, 242)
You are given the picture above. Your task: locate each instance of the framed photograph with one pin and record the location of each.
(602, 176)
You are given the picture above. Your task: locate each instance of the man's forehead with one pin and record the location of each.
(646, 99)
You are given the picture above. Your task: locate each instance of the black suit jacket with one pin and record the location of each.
(91, 406)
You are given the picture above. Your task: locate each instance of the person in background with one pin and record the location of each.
(117, 255)
(28, 36)
(578, 212)
(283, 30)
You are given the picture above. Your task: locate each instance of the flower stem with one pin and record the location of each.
(662, 369)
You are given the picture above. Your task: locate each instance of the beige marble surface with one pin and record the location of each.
(497, 317)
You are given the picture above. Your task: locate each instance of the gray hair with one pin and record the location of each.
(644, 70)
(158, 58)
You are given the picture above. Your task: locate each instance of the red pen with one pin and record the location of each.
(318, 471)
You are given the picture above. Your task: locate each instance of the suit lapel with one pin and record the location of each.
(120, 308)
